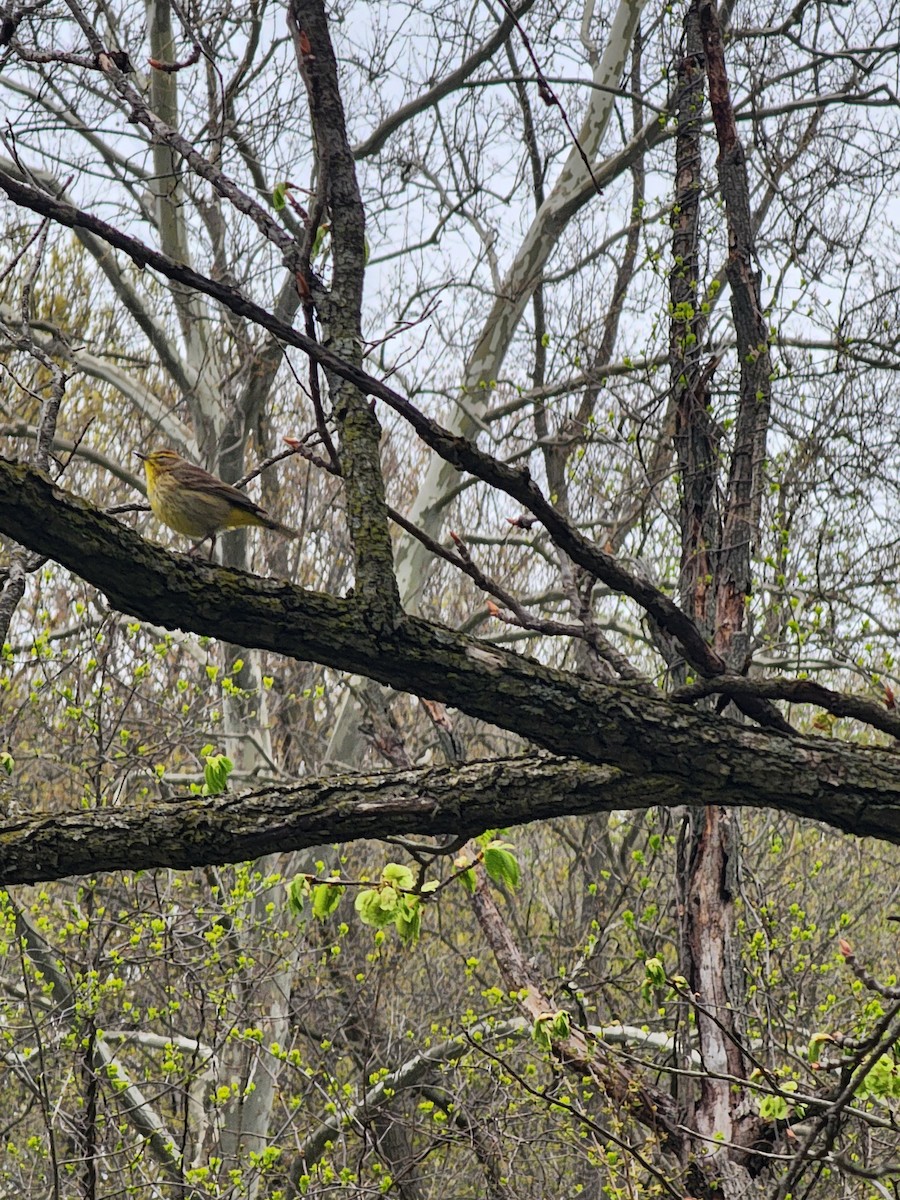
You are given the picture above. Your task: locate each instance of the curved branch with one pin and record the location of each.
(409, 1075)
(449, 83)
(797, 691)
(94, 242)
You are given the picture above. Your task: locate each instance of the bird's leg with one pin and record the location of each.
(211, 538)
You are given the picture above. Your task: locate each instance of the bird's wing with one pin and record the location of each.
(201, 481)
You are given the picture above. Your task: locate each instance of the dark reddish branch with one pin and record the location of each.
(719, 96)
(171, 67)
(458, 451)
(797, 691)
(584, 1058)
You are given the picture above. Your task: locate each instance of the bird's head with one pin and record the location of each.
(159, 460)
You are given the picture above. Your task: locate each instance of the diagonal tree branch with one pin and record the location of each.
(377, 138)
(458, 451)
(659, 744)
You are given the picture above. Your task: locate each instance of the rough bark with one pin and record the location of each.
(696, 441)
(856, 790)
(339, 308)
(743, 498)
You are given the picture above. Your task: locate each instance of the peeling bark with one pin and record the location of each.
(716, 584)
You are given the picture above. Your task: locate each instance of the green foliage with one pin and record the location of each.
(773, 1108)
(501, 865)
(392, 903)
(654, 978)
(298, 890)
(551, 1027)
(326, 898)
(216, 769)
(882, 1080)
(279, 195)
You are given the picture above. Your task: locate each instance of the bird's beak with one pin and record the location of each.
(143, 457)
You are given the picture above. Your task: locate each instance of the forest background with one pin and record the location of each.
(526, 826)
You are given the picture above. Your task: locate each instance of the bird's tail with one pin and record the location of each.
(284, 530)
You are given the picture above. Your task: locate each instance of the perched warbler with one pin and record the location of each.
(195, 503)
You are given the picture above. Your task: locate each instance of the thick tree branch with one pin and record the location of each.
(189, 831)
(456, 450)
(668, 751)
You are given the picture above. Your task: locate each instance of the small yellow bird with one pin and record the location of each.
(197, 504)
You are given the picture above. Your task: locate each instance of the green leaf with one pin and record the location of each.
(215, 774)
(541, 1031)
(321, 233)
(326, 898)
(377, 906)
(279, 195)
(816, 1044)
(656, 972)
(773, 1108)
(501, 866)
(408, 921)
(561, 1025)
(366, 904)
(398, 876)
(550, 1027)
(7, 762)
(297, 890)
(467, 879)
